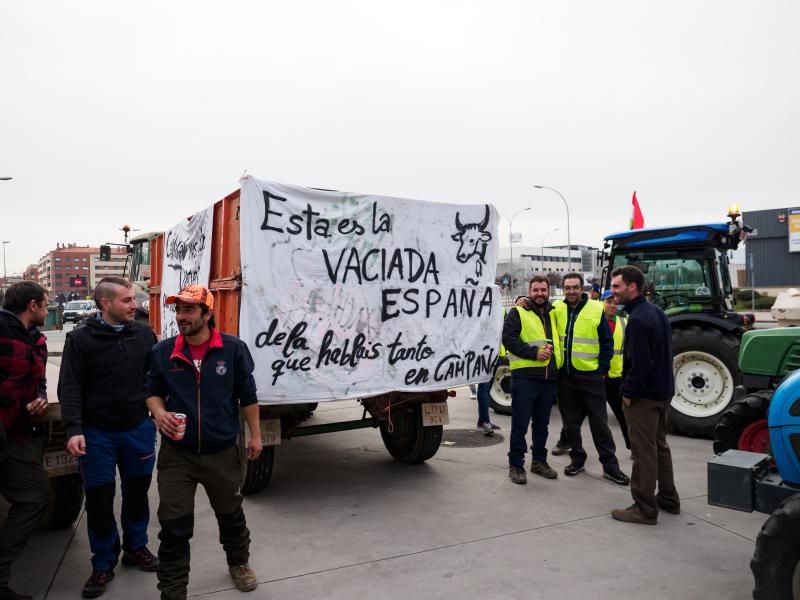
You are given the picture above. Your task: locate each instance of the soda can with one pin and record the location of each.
(181, 419)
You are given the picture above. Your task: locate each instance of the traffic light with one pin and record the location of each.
(105, 253)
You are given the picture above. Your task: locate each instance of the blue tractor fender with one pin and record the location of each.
(784, 428)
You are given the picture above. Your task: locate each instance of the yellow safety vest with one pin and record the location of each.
(619, 337)
(502, 347)
(532, 332)
(585, 343)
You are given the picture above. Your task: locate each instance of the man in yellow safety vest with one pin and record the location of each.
(588, 350)
(534, 357)
(617, 324)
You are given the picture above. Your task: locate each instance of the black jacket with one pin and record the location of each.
(647, 357)
(101, 384)
(210, 398)
(512, 327)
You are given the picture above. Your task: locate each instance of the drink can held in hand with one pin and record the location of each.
(181, 419)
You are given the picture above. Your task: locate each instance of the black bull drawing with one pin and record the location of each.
(474, 239)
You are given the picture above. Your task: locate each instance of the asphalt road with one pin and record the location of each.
(342, 520)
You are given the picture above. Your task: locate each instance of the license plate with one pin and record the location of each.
(435, 413)
(270, 432)
(59, 462)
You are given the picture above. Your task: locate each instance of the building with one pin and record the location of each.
(772, 251)
(64, 271)
(31, 273)
(534, 260)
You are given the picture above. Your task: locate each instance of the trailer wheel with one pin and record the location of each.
(256, 473)
(409, 442)
(500, 392)
(706, 371)
(66, 501)
(776, 562)
(734, 431)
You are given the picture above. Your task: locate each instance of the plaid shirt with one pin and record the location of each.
(23, 366)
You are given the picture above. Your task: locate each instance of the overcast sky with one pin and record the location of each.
(143, 113)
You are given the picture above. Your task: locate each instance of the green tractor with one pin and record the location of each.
(766, 357)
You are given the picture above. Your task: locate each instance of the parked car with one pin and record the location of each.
(77, 310)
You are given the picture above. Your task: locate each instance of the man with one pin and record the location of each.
(534, 353)
(647, 389)
(101, 390)
(207, 376)
(613, 381)
(588, 349)
(594, 291)
(23, 363)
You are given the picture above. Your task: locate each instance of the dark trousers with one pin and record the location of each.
(584, 394)
(483, 402)
(652, 458)
(23, 483)
(531, 402)
(133, 453)
(614, 400)
(179, 473)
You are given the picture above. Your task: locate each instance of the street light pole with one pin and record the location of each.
(569, 240)
(5, 275)
(542, 247)
(511, 243)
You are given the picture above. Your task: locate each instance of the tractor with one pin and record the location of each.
(686, 274)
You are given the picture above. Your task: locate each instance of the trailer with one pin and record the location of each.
(410, 422)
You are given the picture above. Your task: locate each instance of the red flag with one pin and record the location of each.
(637, 218)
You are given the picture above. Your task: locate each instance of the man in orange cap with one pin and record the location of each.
(204, 376)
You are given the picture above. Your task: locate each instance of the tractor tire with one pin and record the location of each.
(257, 473)
(409, 442)
(500, 392)
(66, 501)
(705, 363)
(776, 562)
(743, 412)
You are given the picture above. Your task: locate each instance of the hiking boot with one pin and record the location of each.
(243, 577)
(9, 594)
(617, 476)
(560, 449)
(669, 507)
(633, 514)
(142, 558)
(96, 584)
(543, 469)
(517, 475)
(573, 469)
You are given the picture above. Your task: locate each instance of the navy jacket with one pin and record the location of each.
(101, 383)
(210, 398)
(512, 327)
(647, 357)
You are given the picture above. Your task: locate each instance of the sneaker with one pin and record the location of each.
(142, 558)
(633, 514)
(473, 395)
(560, 449)
(487, 428)
(9, 594)
(617, 476)
(669, 507)
(96, 584)
(517, 475)
(543, 469)
(573, 469)
(243, 577)
(494, 426)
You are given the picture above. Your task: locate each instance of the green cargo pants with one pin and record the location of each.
(178, 475)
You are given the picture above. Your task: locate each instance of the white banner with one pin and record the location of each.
(187, 260)
(352, 295)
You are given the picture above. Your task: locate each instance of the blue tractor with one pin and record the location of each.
(686, 274)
